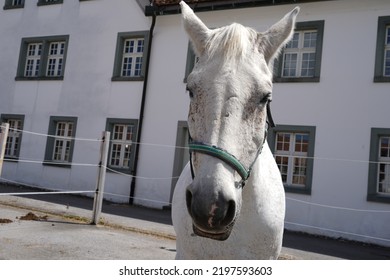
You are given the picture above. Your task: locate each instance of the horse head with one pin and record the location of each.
(229, 88)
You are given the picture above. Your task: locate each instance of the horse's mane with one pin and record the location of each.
(234, 41)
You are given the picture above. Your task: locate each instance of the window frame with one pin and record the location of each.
(8, 5)
(44, 3)
(7, 118)
(43, 57)
(110, 124)
(121, 38)
(383, 24)
(372, 193)
(311, 131)
(51, 138)
(278, 64)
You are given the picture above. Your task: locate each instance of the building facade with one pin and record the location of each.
(72, 69)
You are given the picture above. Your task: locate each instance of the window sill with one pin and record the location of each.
(378, 198)
(381, 79)
(298, 190)
(115, 170)
(7, 7)
(49, 3)
(10, 159)
(43, 78)
(297, 80)
(127, 79)
(57, 164)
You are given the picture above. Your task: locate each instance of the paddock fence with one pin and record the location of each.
(101, 147)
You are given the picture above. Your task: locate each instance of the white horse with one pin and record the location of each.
(229, 202)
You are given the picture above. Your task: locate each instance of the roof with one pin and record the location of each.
(167, 7)
(173, 2)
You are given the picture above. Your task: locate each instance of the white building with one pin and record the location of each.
(76, 68)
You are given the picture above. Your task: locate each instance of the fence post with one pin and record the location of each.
(3, 142)
(98, 199)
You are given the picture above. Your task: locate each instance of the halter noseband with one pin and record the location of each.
(227, 157)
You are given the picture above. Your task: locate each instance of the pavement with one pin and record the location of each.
(153, 223)
(32, 235)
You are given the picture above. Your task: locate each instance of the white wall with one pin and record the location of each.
(86, 91)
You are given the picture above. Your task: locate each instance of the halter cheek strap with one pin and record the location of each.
(227, 157)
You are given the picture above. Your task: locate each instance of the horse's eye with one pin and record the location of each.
(190, 93)
(266, 98)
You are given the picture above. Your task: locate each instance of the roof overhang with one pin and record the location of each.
(169, 7)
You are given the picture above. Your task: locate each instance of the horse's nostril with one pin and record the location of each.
(230, 213)
(189, 201)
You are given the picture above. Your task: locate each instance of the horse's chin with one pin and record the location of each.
(219, 236)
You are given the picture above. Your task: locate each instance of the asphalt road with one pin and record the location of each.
(55, 238)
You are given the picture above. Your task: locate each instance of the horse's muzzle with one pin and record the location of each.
(211, 220)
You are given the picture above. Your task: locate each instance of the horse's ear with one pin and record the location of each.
(278, 35)
(196, 29)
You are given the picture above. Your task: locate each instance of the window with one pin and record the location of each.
(33, 59)
(293, 148)
(379, 166)
(382, 58)
(386, 71)
(42, 58)
(121, 153)
(132, 57)
(192, 59)
(129, 59)
(48, 2)
(300, 60)
(13, 4)
(182, 155)
(302, 49)
(14, 140)
(384, 165)
(55, 59)
(60, 142)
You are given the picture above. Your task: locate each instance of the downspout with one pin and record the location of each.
(141, 112)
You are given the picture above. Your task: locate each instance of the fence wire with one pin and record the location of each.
(65, 192)
(185, 147)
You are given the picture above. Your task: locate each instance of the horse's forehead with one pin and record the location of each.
(233, 75)
(232, 59)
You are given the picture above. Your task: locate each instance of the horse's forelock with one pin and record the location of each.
(234, 41)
